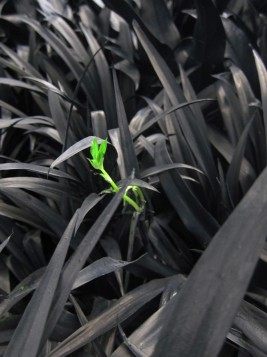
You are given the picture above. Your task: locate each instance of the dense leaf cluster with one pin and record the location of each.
(173, 263)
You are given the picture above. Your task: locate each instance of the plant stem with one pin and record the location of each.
(126, 198)
(132, 203)
(109, 180)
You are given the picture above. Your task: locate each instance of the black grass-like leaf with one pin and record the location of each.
(105, 85)
(30, 206)
(209, 35)
(199, 139)
(203, 314)
(75, 149)
(27, 337)
(128, 153)
(194, 137)
(36, 169)
(234, 168)
(157, 18)
(263, 85)
(189, 209)
(120, 311)
(78, 259)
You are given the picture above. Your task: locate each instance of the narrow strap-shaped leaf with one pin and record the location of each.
(157, 18)
(25, 121)
(59, 117)
(209, 35)
(128, 152)
(43, 213)
(195, 138)
(59, 46)
(246, 98)
(252, 321)
(104, 76)
(157, 118)
(224, 147)
(155, 170)
(25, 341)
(20, 215)
(236, 162)
(239, 49)
(61, 25)
(75, 149)
(78, 259)
(46, 86)
(114, 135)
(37, 184)
(100, 267)
(262, 74)
(26, 66)
(19, 84)
(190, 95)
(99, 124)
(139, 183)
(24, 288)
(12, 109)
(202, 314)
(120, 311)
(89, 202)
(146, 336)
(35, 168)
(230, 111)
(193, 215)
(4, 243)
(127, 12)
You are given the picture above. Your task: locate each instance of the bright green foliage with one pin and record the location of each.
(97, 161)
(98, 153)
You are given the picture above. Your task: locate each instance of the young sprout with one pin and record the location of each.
(97, 161)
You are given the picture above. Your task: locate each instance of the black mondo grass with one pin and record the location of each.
(133, 198)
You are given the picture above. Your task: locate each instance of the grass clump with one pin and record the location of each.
(102, 106)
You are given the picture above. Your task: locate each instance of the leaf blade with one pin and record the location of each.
(208, 322)
(77, 260)
(26, 339)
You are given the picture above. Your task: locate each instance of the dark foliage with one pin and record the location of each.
(179, 90)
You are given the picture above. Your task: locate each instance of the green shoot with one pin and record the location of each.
(97, 162)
